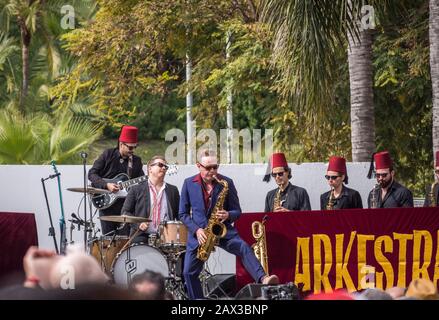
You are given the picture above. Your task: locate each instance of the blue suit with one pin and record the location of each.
(192, 197)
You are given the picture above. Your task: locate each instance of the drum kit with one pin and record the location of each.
(122, 260)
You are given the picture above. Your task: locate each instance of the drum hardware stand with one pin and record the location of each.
(84, 155)
(204, 276)
(72, 227)
(51, 228)
(174, 283)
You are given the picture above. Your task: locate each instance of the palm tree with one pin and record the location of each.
(434, 67)
(361, 87)
(37, 24)
(309, 34)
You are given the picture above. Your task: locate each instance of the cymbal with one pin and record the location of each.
(90, 190)
(125, 219)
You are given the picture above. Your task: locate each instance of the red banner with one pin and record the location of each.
(353, 249)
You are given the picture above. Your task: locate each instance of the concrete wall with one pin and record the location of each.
(22, 192)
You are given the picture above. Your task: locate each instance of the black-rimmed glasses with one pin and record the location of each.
(331, 177)
(129, 147)
(208, 168)
(381, 175)
(161, 165)
(277, 174)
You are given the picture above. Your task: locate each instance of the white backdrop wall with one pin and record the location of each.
(23, 192)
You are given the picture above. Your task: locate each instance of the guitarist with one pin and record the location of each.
(154, 199)
(109, 164)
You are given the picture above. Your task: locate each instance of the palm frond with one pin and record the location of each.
(7, 48)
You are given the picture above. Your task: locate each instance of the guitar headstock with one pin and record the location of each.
(173, 169)
(54, 166)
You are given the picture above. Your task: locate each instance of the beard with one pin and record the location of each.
(385, 184)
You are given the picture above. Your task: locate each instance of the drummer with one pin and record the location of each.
(154, 199)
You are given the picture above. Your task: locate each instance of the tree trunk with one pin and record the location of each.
(434, 65)
(25, 43)
(362, 107)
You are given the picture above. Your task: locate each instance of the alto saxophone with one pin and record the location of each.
(433, 202)
(277, 202)
(215, 229)
(374, 197)
(330, 204)
(260, 246)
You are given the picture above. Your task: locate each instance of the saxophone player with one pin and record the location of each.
(340, 196)
(200, 193)
(431, 200)
(286, 197)
(391, 194)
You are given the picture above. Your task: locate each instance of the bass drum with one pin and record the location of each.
(135, 260)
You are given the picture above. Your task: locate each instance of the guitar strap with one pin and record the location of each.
(130, 166)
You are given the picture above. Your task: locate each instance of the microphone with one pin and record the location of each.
(83, 154)
(76, 217)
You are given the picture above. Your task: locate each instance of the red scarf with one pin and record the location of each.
(156, 205)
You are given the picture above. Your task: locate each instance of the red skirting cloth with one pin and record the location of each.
(18, 231)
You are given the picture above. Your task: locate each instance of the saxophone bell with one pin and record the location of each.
(433, 201)
(260, 246)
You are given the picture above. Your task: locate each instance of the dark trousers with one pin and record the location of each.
(237, 246)
(109, 226)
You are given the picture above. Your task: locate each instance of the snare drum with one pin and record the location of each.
(105, 250)
(173, 236)
(136, 259)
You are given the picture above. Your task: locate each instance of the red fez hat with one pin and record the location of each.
(128, 134)
(382, 160)
(278, 160)
(337, 164)
(336, 295)
(437, 159)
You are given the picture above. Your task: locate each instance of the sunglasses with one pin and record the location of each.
(129, 147)
(277, 174)
(208, 168)
(161, 165)
(331, 177)
(381, 175)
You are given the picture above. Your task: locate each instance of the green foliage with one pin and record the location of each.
(403, 97)
(38, 139)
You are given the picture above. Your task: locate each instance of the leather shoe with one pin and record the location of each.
(273, 279)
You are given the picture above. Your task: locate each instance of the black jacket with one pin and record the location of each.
(137, 202)
(348, 199)
(397, 196)
(296, 198)
(109, 164)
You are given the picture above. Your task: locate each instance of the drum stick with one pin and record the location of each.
(129, 240)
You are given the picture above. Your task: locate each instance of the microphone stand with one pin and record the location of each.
(84, 163)
(51, 228)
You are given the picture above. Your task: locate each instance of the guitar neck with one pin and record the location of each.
(132, 182)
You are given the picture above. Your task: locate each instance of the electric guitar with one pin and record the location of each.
(106, 200)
